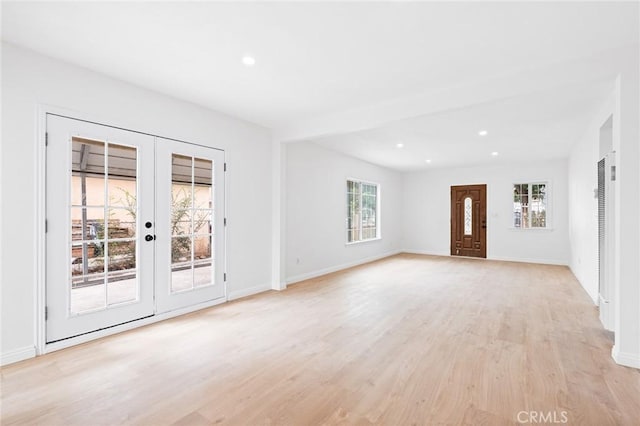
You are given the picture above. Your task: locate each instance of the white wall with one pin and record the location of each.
(316, 204)
(583, 206)
(583, 209)
(427, 208)
(29, 79)
(626, 134)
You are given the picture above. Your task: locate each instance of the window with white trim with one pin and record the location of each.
(530, 205)
(362, 211)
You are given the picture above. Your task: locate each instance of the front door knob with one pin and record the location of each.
(149, 237)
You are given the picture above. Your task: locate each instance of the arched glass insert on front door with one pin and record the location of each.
(468, 214)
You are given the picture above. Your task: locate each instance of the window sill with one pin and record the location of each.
(363, 241)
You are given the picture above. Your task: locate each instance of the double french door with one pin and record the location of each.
(135, 226)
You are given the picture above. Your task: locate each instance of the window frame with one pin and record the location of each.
(548, 204)
(360, 182)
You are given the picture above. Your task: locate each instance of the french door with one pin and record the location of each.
(134, 226)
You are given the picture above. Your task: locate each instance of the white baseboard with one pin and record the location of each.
(502, 258)
(530, 260)
(425, 252)
(324, 271)
(329, 270)
(625, 358)
(595, 297)
(18, 355)
(233, 295)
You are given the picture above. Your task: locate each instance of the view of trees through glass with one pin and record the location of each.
(103, 224)
(191, 222)
(362, 204)
(530, 205)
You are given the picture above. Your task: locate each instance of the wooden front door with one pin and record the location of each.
(469, 220)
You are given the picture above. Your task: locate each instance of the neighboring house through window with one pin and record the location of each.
(530, 205)
(362, 211)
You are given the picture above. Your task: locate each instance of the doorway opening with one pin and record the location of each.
(606, 222)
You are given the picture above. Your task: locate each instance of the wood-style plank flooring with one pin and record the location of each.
(406, 340)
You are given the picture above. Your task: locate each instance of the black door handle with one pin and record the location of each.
(149, 237)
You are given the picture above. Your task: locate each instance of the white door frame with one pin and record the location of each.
(39, 305)
(606, 294)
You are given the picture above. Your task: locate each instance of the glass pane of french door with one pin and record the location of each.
(190, 224)
(99, 188)
(103, 225)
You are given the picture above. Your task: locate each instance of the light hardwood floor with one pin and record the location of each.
(406, 340)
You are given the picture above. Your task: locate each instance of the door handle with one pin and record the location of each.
(149, 237)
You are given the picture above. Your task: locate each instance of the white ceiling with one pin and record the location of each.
(319, 59)
(538, 126)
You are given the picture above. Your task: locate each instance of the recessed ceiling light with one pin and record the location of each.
(400, 145)
(248, 60)
(483, 133)
(427, 161)
(494, 153)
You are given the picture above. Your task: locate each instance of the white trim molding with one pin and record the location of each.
(245, 292)
(595, 298)
(530, 260)
(17, 355)
(39, 243)
(324, 271)
(500, 258)
(625, 358)
(425, 252)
